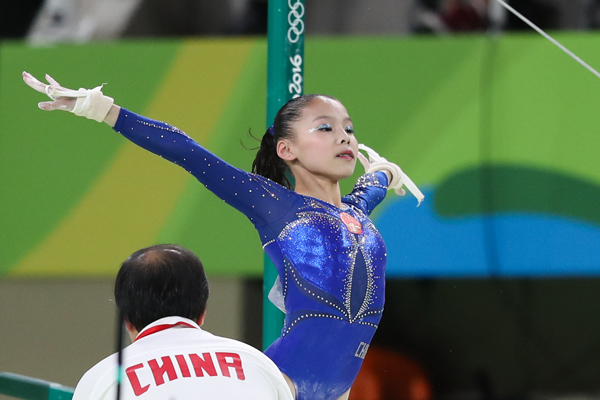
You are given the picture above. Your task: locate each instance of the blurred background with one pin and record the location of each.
(83, 20)
(493, 286)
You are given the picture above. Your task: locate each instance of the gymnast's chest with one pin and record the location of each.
(325, 245)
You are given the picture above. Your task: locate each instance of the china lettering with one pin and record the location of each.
(142, 377)
(295, 87)
(295, 20)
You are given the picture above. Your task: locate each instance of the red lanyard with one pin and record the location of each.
(162, 327)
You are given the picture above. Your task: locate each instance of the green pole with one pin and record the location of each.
(285, 80)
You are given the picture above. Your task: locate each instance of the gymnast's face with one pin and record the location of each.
(323, 142)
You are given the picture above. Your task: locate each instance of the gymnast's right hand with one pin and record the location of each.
(89, 103)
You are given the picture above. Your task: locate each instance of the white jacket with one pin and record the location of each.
(174, 359)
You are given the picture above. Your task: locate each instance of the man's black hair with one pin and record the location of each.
(161, 281)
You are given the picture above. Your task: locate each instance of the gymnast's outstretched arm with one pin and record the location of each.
(260, 199)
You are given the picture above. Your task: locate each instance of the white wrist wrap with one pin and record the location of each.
(393, 169)
(94, 105)
(399, 178)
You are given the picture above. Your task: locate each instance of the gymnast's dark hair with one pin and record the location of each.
(267, 163)
(161, 281)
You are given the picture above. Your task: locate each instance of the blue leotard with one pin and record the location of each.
(331, 261)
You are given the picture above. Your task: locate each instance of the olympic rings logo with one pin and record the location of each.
(295, 20)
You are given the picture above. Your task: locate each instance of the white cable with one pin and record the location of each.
(550, 38)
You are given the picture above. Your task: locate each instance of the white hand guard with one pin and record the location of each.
(399, 178)
(91, 103)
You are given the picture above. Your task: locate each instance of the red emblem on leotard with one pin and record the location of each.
(351, 223)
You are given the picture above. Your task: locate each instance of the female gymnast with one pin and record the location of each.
(329, 256)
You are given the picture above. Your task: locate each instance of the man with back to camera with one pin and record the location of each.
(162, 292)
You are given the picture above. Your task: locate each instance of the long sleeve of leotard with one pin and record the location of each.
(369, 190)
(257, 197)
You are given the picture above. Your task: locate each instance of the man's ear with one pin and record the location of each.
(131, 330)
(129, 326)
(200, 321)
(285, 150)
